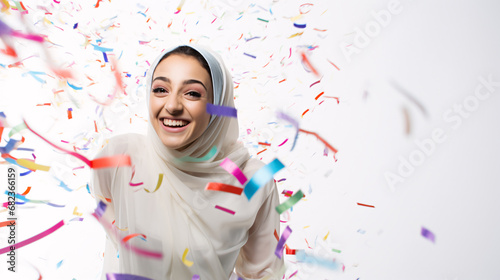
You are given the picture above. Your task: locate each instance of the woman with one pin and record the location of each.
(178, 215)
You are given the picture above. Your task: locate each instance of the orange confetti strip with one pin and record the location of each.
(7, 223)
(44, 104)
(112, 161)
(122, 229)
(366, 205)
(333, 64)
(295, 35)
(305, 112)
(282, 81)
(262, 151)
(260, 143)
(95, 125)
(319, 95)
(213, 186)
(26, 191)
(130, 236)
(321, 139)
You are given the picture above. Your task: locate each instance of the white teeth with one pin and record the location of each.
(168, 122)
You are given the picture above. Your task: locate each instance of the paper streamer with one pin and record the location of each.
(321, 139)
(112, 161)
(295, 124)
(213, 186)
(428, 234)
(290, 202)
(186, 262)
(221, 110)
(160, 179)
(261, 177)
(34, 238)
(305, 258)
(122, 276)
(31, 165)
(225, 209)
(130, 236)
(232, 168)
(281, 243)
(208, 156)
(17, 129)
(196, 277)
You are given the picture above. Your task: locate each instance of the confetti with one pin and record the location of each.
(233, 169)
(261, 177)
(299, 25)
(158, 184)
(321, 139)
(411, 97)
(283, 143)
(184, 260)
(306, 61)
(76, 213)
(34, 238)
(26, 191)
(122, 276)
(70, 115)
(221, 110)
(327, 263)
(281, 243)
(225, 209)
(366, 205)
(31, 165)
(130, 236)
(290, 202)
(196, 277)
(208, 156)
(74, 87)
(428, 234)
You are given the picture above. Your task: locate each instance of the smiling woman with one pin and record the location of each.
(215, 235)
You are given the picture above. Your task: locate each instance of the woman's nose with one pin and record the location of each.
(173, 105)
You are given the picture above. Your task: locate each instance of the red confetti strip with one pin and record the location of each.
(281, 81)
(317, 82)
(113, 161)
(361, 204)
(321, 139)
(130, 236)
(309, 65)
(305, 112)
(213, 186)
(225, 209)
(44, 104)
(262, 151)
(260, 143)
(34, 238)
(319, 95)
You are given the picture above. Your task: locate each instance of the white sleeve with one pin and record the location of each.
(257, 259)
(101, 180)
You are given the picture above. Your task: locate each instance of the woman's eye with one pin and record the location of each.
(159, 90)
(194, 94)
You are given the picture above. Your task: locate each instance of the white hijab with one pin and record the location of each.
(180, 214)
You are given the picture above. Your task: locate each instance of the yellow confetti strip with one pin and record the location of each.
(160, 179)
(326, 236)
(186, 262)
(76, 213)
(31, 165)
(295, 35)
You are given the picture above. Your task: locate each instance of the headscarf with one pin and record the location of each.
(179, 216)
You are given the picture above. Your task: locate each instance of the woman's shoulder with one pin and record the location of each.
(122, 144)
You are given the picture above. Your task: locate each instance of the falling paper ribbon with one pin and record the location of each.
(290, 202)
(186, 262)
(34, 238)
(221, 110)
(261, 177)
(281, 243)
(158, 184)
(213, 186)
(232, 168)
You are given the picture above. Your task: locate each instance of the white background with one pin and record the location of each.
(434, 50)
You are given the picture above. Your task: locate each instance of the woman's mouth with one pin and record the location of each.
(175, 123)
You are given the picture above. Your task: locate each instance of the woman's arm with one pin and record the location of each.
(257, 259)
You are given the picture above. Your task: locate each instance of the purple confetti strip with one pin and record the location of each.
(281, 243)
(121, 276)
(252, 56)
(221, 110)
(428, 234)
(299, 25)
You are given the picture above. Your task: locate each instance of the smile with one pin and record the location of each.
(173, 126)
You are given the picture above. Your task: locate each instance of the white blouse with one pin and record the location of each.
(217, 242)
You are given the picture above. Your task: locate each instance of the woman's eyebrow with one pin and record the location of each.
(186, 82)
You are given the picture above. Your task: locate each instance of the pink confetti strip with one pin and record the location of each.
(283, 143)
(34, 238)
(281, 243)
(232, 168)
(225, 209)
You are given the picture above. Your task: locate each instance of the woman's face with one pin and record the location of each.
(179, 95)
